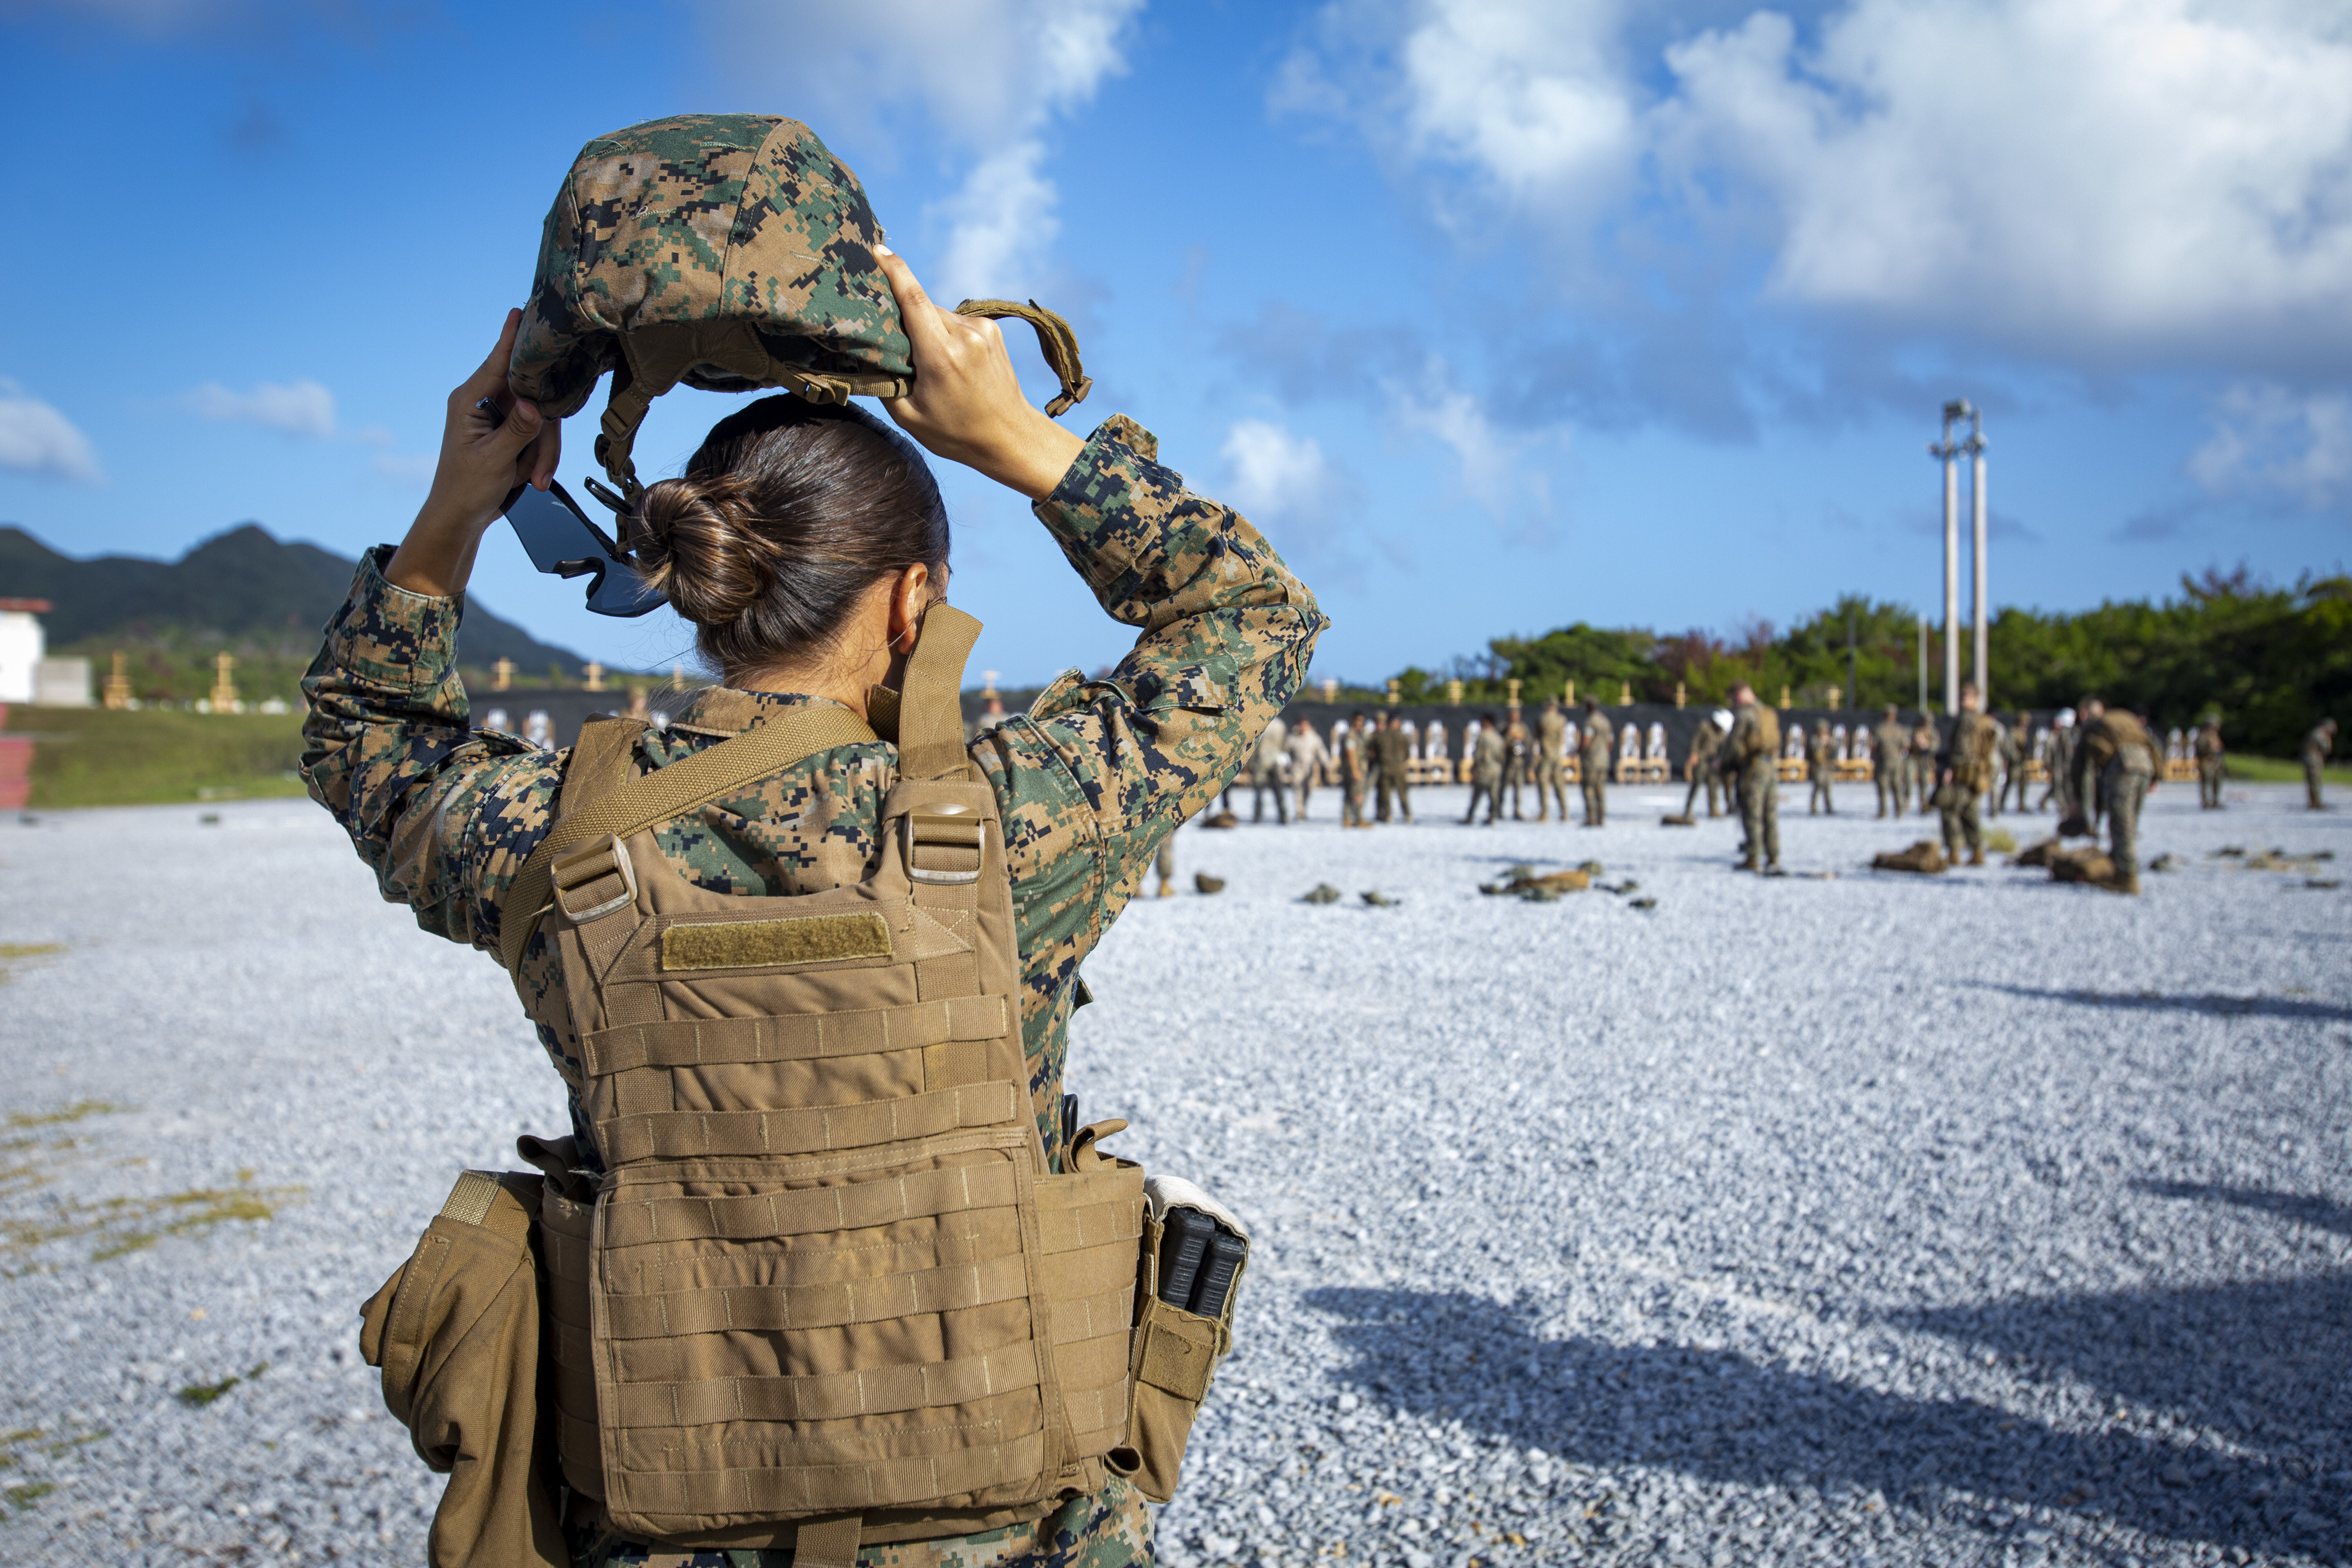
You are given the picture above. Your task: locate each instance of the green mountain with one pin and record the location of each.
(242, 592)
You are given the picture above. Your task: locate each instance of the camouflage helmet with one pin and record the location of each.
(730, 252)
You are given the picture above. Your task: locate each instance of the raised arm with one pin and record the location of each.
(1098, 773)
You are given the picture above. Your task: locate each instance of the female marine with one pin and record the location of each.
(804, 544)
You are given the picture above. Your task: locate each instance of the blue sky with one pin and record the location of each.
(1495, 314)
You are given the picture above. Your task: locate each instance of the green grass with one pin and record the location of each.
(93, 756)
(2278, 769)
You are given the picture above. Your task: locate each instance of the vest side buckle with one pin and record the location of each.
(597, 877)
(944, 827)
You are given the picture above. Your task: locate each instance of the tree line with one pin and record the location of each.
(2272, 661)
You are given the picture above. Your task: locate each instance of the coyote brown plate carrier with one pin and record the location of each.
(827, 1290)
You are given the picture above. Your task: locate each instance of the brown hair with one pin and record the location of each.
(788, 512)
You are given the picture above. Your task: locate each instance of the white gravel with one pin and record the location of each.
(1874, 1220)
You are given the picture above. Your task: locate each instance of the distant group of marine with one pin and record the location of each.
(2093, 763)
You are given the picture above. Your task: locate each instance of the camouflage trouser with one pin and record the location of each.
(1595, 787)
(1551, 786)
(1759, 811)
(1821, 799)
(1923, 782)
(2209, 782)
(1306, 791)
(2014, 780)
(1260, 783)
(1396, 789)
(1479, 790)
(1112, 1529)
(1515, 778)
(2125, 789)
(1962, 821)
(1351, 804)
(1166, 864)
(2311, 773)
(1890, 789)
(1703, 778)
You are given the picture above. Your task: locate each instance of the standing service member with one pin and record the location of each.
(1393, 756)
(2317, 746)
(2210, 768)
(1486, 755)
(1592, 763)
(1888, 744)
(1965, 769)
(1308, 758)
(866, 870)
(1551, 761)
(1750, 761)
(1699, 768)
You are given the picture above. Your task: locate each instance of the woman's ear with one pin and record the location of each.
(910, 595)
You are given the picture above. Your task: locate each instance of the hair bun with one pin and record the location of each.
(703, 549)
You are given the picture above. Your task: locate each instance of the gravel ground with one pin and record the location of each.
(1859, 1220)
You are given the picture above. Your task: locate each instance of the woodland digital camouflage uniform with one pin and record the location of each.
(1699, 766)
(1889, 744)
(1968, 755)
(1110, 1530)
(2116, 761)
(1592, 766)
(1551, 761)
(1820, 770)
(1750, 758)
(697, 217)
(1089, 781)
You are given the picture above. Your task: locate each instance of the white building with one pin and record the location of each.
(22, 645)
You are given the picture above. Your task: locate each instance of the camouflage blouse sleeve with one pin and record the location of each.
(443, 813)
(1099, 773)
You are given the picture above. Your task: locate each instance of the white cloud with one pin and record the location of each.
(1494, 468)
(2092, 179)
(991, 75)
(35, 438)
(2267, 440)
(1275, 474)
(2104, 171)
(299, 408)
(1533, 94)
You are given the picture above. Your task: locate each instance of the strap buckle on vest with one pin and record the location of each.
(598, 876)
(945, 827)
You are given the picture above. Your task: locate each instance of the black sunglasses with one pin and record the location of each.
(560, 541)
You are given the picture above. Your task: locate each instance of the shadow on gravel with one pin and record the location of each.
(2324, 1213)
(1718, 1416)
(2211, 1003)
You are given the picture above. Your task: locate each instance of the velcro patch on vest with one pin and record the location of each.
(753, 944)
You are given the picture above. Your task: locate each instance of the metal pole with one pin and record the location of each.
(1946, 451)
(1981, 662)
(1951, 583)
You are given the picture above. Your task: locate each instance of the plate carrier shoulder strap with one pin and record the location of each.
(828, 1290)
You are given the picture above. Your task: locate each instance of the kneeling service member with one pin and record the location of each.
(2117, 762)
(2316, 748)
(1750, 760)
(1966, 771)
(806, 948)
